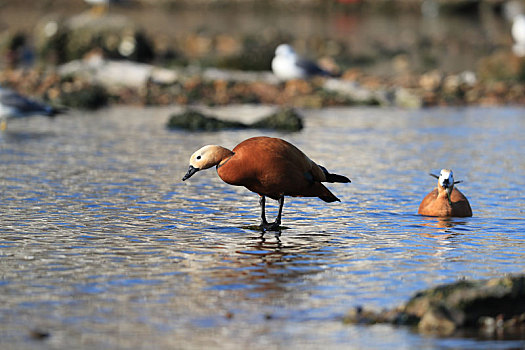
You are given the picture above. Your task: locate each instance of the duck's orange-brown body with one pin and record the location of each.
(273, 167)
(270, 167)
(436, 203)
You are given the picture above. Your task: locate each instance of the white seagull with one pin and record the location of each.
(287, 65)
(513, 12)
(14, 105)
(518, 34)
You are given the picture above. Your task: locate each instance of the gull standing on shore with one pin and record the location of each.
(513, 12)
(518, 34)
(287, 65)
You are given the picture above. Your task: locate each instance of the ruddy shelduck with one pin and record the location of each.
(270, 167)
(445, 199)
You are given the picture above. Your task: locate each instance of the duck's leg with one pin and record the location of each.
(262, 203)
(277, 222)
(3, 124)
(274, 226)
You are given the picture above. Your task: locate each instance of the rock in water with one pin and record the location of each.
(196, 121)
(464, 304)
(283, 120)
(89, 97)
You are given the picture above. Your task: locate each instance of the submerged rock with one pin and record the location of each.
(287, 119)
(90, 97)
(464, 303)
(450, 307)
(282, 120)
(196, 121)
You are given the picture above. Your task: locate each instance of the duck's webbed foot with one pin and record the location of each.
(273, 226)
(276, 225)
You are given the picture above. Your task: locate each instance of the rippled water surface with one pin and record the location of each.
(103, 246)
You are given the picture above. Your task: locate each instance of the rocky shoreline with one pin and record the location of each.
(144, 84)
(87, 62)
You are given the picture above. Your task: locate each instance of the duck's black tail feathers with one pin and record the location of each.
(334, 177)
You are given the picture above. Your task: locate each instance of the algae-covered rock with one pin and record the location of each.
(439, 319)
(196, 121)
(89, 97)
(283, 120)
(465, 302)
(360, 315)
(450, 307)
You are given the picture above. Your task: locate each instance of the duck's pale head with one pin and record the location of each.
(446, 179)
(205, 158)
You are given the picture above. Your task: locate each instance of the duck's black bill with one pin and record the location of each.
(191, 171)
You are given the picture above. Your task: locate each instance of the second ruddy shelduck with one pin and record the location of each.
(270, 167)
(445, 199)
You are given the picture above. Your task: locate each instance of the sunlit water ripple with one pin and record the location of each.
(103, 246)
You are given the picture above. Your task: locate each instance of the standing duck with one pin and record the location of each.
(270, 167)
(445, 199)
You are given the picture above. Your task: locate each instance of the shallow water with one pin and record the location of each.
(103, 246)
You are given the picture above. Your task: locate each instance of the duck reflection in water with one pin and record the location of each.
(444, 226)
